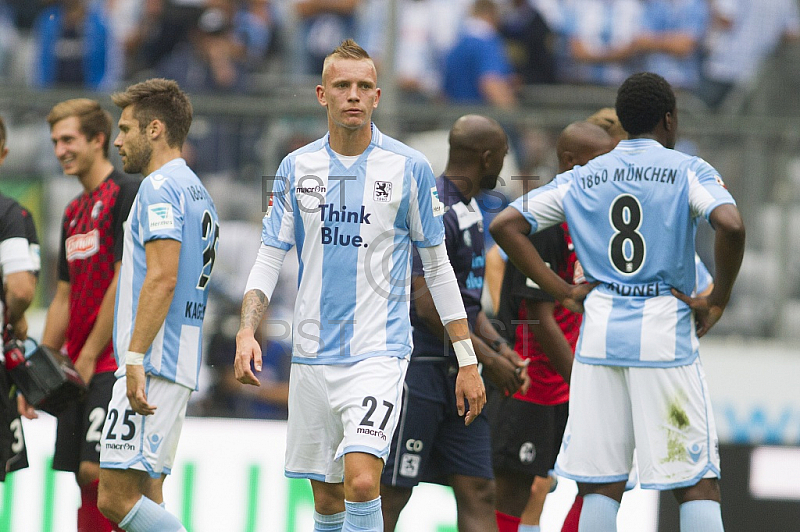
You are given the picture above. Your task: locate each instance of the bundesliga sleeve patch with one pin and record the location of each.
(437, 207)
(159, 216)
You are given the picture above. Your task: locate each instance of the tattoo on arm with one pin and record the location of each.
(253, 307)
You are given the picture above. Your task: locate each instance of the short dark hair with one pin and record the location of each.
(642, 101)
(159, 99)
(92, 118)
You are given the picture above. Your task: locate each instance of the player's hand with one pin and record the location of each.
(25, 409)
(577, 293)
(85, 365)
(20, 328)
(469, 388)
(706, 314)
(520, 368)
(506, 371)
(136, 396)
(247, 350)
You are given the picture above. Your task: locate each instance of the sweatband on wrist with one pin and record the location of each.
(132, 358)
(465, 353)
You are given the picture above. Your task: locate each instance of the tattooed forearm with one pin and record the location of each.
(253, 307)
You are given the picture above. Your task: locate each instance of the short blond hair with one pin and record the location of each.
(92, 118)
(159, 99)
(608, 120)
(349, 49)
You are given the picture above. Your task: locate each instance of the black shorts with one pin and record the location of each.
(81, 424)
(13, 453)
(431, 442)
(526, 437)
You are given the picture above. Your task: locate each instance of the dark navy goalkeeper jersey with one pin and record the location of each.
(463, 228)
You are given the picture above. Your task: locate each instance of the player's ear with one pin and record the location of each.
(321, 96)
(155, 129)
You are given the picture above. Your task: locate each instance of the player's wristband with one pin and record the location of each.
(465, 353)
(133, 358)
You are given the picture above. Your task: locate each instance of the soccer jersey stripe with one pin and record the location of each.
(377, 260)
(659, 325)
(188, 354)
(592, 339)
(310, 252)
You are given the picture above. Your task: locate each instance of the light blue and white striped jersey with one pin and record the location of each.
(632, 214)
(353, 226)
(171, 203)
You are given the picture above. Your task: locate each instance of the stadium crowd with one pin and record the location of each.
(457, 50)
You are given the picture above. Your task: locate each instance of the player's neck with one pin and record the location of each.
(159, 158)
(350, 141)
(465, 180)
(96, 175)
(649, 136)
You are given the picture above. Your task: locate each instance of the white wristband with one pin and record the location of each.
(465, 353)
(133, 358)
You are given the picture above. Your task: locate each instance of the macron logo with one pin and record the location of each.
(159, 216)
(154, 441)
(158, 180)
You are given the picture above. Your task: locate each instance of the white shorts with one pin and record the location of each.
(663, 413)
(146, 443)
(339, 409)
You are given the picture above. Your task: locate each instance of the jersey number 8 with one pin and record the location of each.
(626, 249)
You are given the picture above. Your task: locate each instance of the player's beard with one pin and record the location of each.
(137, 157)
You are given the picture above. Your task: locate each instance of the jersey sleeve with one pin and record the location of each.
(425, 210)
(15, 244)
(162, 207)
(450, 220)
(543, 207)
(706, 189)
(122, 208)
(278, 223)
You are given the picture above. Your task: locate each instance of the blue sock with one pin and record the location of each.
(147, 516)
(328, 523)
(599, 514)
(528, 528)
(363, 516)
(701, 516)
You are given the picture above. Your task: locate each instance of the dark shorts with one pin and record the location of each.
(526, 437)
(81, 424)
(431, 442)
(13, 453)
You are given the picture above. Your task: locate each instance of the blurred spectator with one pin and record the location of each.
(74, 47)
(674, 31)
(253, 29)
(158, 26)
(211, 60)
(601, 35)
(324, 24)
(743, 33)
(476, 68)
(8, 39)
(530, 42)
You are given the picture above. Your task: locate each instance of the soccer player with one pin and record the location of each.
(80, 317)
(527, 427)
(353, 203)
(171, 241)
(431, 444)
(19, 266)
(637, 382)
